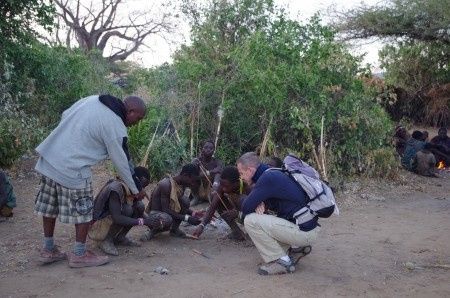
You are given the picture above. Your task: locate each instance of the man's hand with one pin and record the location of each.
(198, 231)
(193, 220)
(261, 208)
(141, 195)
(215, 186)
(198, 214)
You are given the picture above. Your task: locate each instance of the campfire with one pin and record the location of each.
(441, 165)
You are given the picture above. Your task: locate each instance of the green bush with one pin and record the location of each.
(57, 77)
(271, 76)
(38, 83)
(18, 131)
(167, 152)
(382, 163)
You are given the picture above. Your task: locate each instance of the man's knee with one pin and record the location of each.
(166, 220)
(250, 220)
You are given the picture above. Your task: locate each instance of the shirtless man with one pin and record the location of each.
(116, 212)
(210, 169)
(168, 197)
(227, 202)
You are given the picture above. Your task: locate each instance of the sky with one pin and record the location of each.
(159, 51)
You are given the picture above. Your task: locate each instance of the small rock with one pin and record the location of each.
(410, 265)
(161, 270)
(371, 197)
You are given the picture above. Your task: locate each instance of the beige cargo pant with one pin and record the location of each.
(273, 236)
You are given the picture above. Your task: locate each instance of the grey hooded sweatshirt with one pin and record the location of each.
(89, 132)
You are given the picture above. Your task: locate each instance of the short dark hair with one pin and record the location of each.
(417, 135)
(275, 162)
(230, 173)
(142, 172)
(208, 141)
(190, 169)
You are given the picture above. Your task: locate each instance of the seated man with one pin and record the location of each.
(7, 197)
(441, 146)
(116, 212)
(210, 169)
(400, 139)
(424, 163)
(276, 237)
(168, 197)
(227, 202)
(442, 139)
(413, 145)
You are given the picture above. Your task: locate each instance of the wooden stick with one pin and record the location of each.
(192, 134)
(314, 153)
(190, 236)
(200, 253)
(176, 131)
(265, 139)
(166, 131)
(322, 151)
(198, 114)
(220, 114)
(144, 160)
(209, 181)
(441, 266)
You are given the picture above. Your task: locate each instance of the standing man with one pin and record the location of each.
(91, 130)
(276, 237)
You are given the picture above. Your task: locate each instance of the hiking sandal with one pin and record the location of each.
(297, 253)
(277, 267)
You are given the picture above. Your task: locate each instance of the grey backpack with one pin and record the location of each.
(321, 201)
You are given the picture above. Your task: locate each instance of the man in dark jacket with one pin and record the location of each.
(414, 145)
(275, 236)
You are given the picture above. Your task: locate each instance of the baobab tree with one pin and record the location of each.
(114, 27)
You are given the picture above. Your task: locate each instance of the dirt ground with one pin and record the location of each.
(362, 252)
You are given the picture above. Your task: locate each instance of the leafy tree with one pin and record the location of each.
(56, 77)
(275, 80)
(416, 59)
(18, 19)
(419, 20)
(97, 25)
